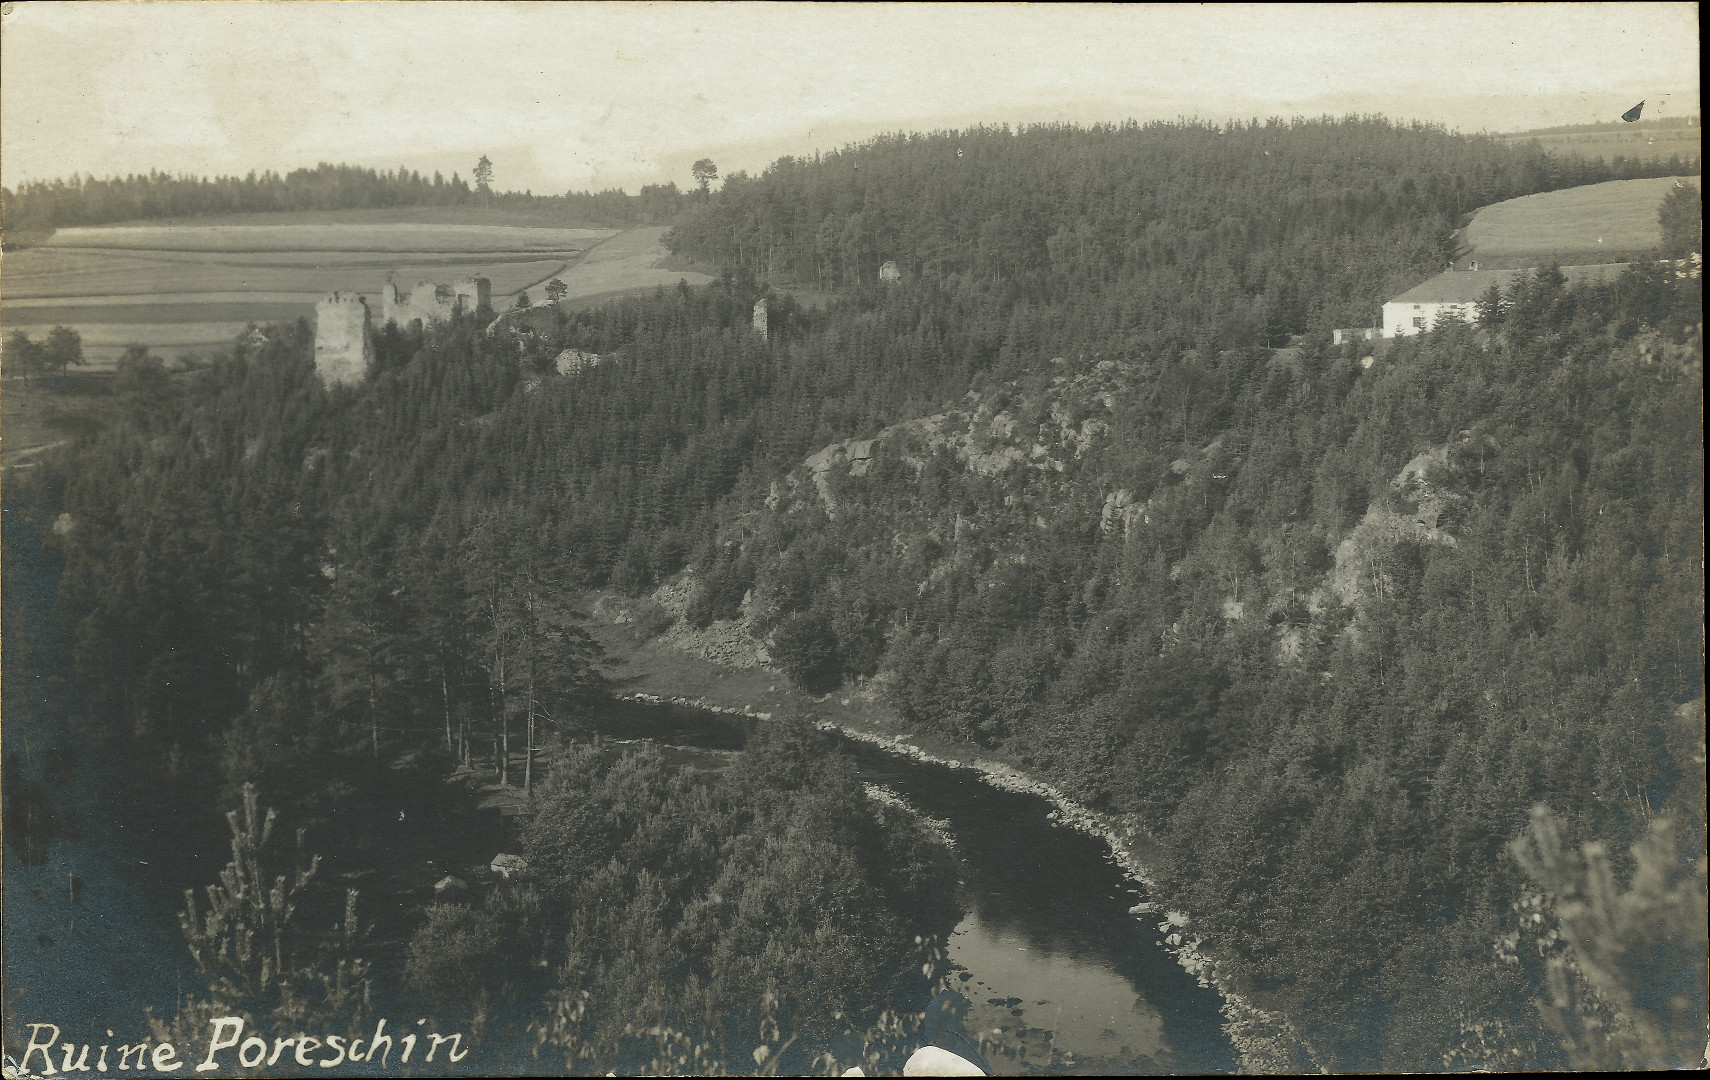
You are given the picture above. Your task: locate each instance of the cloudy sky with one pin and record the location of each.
(574, 95)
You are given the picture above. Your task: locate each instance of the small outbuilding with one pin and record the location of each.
(509, 866)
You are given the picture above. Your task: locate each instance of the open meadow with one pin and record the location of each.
(328, 236)
(1643, 141)
(1612, 222)
(631, 260)
(188, 287)
(191, 286)
(37, 415)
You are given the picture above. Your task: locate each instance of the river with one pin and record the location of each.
(1046, 941)
(1046, 949)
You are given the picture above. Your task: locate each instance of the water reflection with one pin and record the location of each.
(1089, 1009)
(1047, 940)
(1046, 944)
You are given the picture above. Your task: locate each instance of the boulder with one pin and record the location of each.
(574, 361)
(509, 866)
(450, 886)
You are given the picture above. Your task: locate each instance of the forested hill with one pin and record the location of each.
(44, 205)
(1139, 236)
(1325, 633)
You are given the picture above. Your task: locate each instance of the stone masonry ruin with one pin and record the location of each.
(432, 303)
(344, 325)
(344, 339)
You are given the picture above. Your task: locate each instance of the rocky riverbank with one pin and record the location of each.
(1264, 1041)
(938, 827)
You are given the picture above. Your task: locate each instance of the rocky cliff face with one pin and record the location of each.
(1010, 469)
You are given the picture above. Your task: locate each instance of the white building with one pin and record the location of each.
(1454, 294)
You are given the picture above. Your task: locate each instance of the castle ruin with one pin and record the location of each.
(344, 339)
(433, 303)
(344, 325)
(762, 324)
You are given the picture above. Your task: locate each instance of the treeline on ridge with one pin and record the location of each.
(39, 206)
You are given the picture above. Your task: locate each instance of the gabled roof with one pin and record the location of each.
(1467, 286)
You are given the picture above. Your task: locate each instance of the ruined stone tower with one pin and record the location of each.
(432, 303)
(762, 325)
(344, 340)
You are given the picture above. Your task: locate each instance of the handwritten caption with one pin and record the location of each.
(227, 1038)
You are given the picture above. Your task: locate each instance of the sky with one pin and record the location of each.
(574, 96)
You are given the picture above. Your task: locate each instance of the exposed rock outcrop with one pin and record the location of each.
(1420, 500)
(731, 642)
(575, 361)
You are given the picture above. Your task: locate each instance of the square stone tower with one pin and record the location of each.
(344, 339)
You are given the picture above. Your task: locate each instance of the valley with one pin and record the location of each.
(1036, 602)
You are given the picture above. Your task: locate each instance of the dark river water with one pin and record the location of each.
(1046, 947)
(1046, 915)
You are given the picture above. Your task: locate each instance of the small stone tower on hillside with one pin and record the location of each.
(344, 339)
(762, 323)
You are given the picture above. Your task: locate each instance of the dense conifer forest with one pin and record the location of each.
(1325, 631)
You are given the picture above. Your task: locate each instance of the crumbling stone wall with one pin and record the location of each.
(344, 340)
(431, 303)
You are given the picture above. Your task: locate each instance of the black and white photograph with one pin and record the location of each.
(851, 539)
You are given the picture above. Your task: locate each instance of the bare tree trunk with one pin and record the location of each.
(528, 730)
(503, 745)
(373, 718)
(504, 729)
(445, 697)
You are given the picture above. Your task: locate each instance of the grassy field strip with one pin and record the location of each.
(68, 260)
(118, 334)
(358, 237)
(557, 272)
(41, 274)
(30, 272)
(386, 215)
(195, 287)
(157, 316)
(103, 343)
(65, 303)
(324, 259)
(624, 263)
(1599, 219)
(1612, 144)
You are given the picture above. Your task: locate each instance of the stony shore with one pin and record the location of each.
(1264, 1041)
